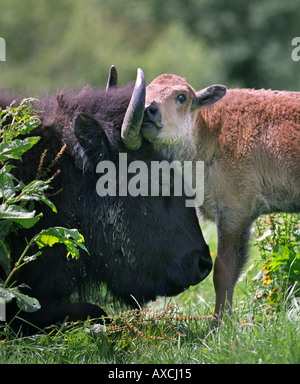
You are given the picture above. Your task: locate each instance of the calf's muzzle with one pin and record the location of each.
(152, 122)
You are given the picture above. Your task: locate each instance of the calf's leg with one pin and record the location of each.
(231, 257)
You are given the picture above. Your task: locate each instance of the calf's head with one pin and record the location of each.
(170, 106)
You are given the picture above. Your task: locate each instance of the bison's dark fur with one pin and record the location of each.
(140, 246)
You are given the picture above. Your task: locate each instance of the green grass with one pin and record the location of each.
(253, 334)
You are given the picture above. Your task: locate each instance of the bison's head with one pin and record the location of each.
(155, 243)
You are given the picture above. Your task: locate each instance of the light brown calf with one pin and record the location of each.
(249, 141)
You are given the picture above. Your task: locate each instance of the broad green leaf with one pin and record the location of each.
(28, 222)
(19, 215)
(7, 185)
(48, 202)
(6, 294)
(16, 148)
(71, 238)
(26, 303)
(35, 191)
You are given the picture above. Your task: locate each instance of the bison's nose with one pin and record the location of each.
(195, 265)
(202, 264)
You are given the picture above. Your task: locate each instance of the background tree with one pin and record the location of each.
(51, 45)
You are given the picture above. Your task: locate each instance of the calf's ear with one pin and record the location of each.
(208, 96)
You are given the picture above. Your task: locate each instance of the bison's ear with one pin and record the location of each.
(87, 130)
(91, 137)
(208, 96)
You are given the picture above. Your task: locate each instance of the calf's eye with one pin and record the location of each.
(181, 98)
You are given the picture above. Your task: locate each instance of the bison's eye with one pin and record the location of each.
(181, 98)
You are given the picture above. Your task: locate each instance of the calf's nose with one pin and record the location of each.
(153, 114)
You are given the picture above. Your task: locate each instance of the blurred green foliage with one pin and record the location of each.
(61, 43)
(278, 243)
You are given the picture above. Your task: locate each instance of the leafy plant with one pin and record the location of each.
(278, 242)
(17, 201)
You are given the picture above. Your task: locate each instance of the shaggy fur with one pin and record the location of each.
(250, 143)
(140, 246)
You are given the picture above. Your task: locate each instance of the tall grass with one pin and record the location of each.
(166, 332)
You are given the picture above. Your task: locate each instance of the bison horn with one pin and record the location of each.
(112, 80)
(133, 119)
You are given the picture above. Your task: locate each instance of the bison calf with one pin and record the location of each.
(249, 141)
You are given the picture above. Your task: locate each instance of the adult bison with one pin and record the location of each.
(141, 246)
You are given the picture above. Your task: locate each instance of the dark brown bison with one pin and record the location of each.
(140, 246)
